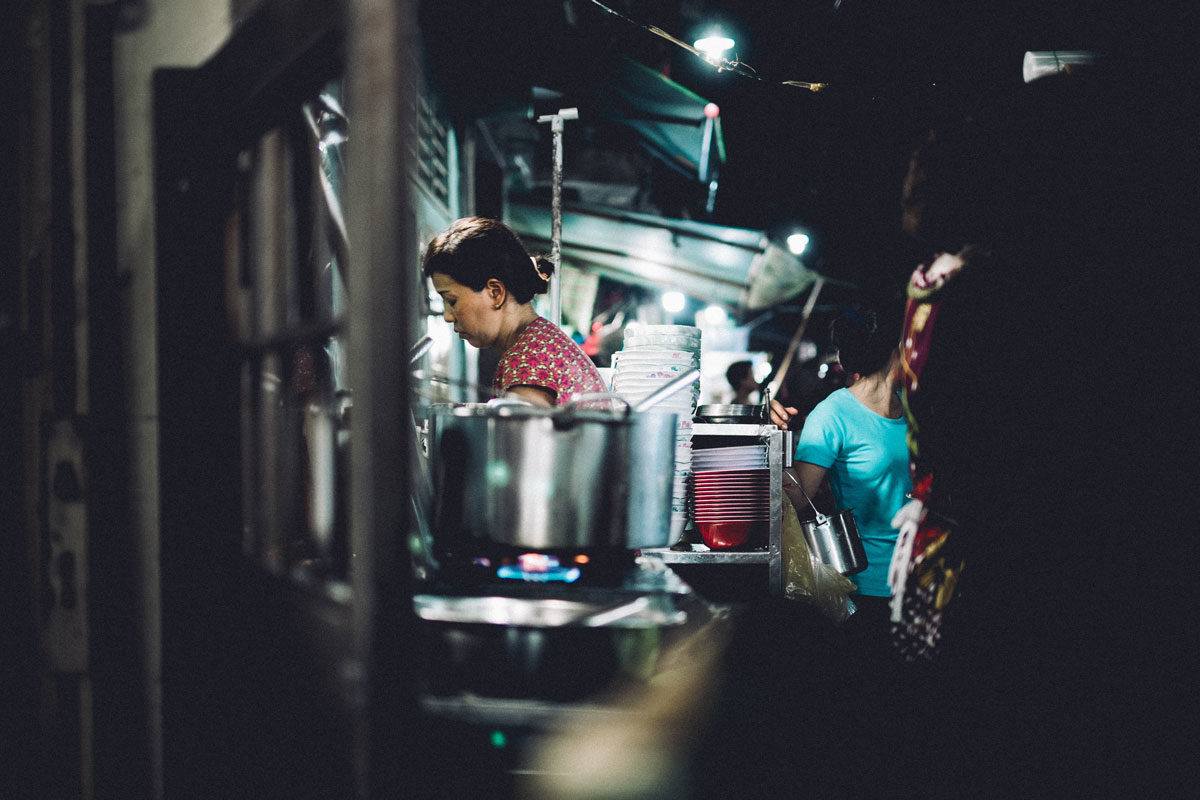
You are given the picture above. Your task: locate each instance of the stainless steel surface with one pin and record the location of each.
(646, 611)
(699, 554)
(550, 479)
(833, 539)
(731, 413)
(748, 430)
(333, 205)
(734, 413)
(836, 542)
(667, 389)
(775, 535)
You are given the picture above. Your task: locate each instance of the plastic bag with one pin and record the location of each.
(806, 578)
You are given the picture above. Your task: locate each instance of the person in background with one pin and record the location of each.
(741, 377)
(487, 281)
(855, 437)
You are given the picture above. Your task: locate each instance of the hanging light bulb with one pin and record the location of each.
(714, 46)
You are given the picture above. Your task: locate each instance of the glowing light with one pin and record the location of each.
(537, 562)
(797, 243)
(673, 302)
(582, 559)
(498, 473)
(713, 45)
(714, 316)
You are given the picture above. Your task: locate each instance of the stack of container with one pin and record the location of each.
(653, 355)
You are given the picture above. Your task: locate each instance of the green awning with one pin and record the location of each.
(668, 118)
(735, 266)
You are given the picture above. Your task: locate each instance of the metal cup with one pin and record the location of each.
(836, 542)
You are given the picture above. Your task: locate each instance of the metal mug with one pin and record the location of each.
(834, 540)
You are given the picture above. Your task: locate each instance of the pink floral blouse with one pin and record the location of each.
(545, 357)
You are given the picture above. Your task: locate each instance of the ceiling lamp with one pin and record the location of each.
(797, 243)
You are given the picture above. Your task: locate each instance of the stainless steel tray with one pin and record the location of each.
(646, 611)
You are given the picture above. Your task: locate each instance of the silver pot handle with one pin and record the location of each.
(821, 518)
(572, 405)
(497, 402)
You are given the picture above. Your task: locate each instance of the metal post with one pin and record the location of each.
(382, 94)
(556, 129)
(777, 382)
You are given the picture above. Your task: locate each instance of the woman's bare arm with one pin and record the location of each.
(532, 394)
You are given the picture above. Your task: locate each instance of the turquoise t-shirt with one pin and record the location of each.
(867, 459)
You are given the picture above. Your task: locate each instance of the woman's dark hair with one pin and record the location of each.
(865, 340)
(474, 249)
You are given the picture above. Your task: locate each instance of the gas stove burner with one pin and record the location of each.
(510, 565)
(542, 568)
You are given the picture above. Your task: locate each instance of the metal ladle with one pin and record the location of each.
(819, 516)
(669, 388)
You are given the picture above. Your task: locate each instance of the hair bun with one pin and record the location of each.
(544, 268)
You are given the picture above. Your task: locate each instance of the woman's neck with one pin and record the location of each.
(877, 392)
(514, 322)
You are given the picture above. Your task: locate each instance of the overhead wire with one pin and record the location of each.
(722, 64)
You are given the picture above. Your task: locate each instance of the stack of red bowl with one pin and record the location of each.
(731, 496)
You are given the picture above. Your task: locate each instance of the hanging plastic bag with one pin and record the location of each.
(806, 578)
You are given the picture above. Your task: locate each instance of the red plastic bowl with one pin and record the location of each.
(725, 535)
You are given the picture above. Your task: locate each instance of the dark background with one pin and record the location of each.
(831, 161)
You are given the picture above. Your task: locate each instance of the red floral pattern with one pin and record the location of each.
(545, 357)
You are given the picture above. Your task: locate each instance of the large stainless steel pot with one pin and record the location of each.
(538, 478)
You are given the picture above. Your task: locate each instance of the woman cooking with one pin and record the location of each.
(487, 281)
(856, 438)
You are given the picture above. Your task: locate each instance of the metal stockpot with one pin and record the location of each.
(543, 479)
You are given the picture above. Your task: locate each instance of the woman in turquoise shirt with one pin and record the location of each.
(855, 438)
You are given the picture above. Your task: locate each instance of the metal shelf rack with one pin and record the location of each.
(779, 453)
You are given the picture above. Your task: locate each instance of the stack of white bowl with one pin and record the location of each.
(652, 356)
